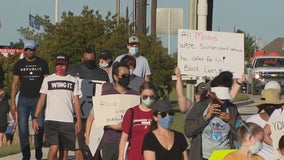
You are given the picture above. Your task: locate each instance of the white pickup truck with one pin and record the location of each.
(262, 70)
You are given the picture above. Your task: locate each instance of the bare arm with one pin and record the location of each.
(185, 155)
(149, 155)
(89, 123)
(122, 143)
(39, 107)
(78, 124)
(236, 87)
(147, 78)
(183, 102)
(14, 90)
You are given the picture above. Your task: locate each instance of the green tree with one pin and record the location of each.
(249, 45)
(90, 29)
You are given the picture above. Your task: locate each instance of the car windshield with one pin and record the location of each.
(270, 62)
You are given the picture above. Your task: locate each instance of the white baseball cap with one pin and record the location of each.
(222, 93)
(273, 85)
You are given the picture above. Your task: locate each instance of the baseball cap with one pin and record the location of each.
(273, 85)
(200, 88)
(133, 40)
(29, 44)
(222, 93)
(162, 106)
(61, 59)
(105, 55)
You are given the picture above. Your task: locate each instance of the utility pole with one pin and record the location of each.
(56, 11)
(141, 19)
(134, 16)
(153, 19)
(117, 11)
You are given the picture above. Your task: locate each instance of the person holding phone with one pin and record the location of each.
(211, 121)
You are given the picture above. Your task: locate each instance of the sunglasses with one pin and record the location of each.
(146, 97)
(26, 49)
(164, 114)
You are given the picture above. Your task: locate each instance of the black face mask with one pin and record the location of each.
(90, 64)
(124, 80)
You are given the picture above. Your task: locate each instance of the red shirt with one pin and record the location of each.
(140, 127)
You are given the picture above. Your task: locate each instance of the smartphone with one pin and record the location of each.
(223, 108)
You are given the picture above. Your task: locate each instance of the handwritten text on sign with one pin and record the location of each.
(204, 53)
(110, 109)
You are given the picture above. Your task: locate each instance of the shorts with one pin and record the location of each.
(61, 134)
(3, 129)
(9, 137)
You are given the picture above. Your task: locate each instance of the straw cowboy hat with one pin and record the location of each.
(270, 96)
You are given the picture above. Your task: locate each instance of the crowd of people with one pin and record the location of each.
(61, 108)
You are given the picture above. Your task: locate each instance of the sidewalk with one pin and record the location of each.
(44, 157)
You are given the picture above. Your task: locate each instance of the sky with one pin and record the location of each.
(258, 18)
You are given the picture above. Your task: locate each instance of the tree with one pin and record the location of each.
(90, 29)
(249, 45)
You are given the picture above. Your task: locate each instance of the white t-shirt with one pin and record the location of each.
(267, 151)
(60, 91)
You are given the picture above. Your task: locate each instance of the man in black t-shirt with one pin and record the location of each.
(28, 75)
(86, 72)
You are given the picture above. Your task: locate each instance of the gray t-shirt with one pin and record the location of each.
(142, 66)
(214, 136)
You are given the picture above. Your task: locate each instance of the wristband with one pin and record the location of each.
(34, 117)
(238, 83)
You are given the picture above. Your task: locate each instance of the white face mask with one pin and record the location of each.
(254, 149)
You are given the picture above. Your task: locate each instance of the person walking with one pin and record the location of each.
(4, 110)
(28, 74)
(137, 123)
(142, 66)
(86, 72)
(61, 92)
(105, 62)
(162, 142)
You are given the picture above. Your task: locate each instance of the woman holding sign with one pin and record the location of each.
(137, 123)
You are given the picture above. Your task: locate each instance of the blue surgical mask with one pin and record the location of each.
(254, 149)
(147, 102)
(166, 122)
(133, 51)
(131, 71)
(103, 65)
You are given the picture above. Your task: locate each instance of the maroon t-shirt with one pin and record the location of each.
(141, 125)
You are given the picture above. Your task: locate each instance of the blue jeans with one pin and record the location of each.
(26, 108)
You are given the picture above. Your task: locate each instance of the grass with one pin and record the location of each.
(9, 150)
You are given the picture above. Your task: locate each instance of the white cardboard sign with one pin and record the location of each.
(206, 53)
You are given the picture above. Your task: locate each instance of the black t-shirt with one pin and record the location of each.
(4, 109)
(175, 153)
(31, 76)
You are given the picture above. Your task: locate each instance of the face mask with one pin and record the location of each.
(60, 70)
(166, 122)
(131, 71)
(282, 158)
(147, 102)
(269, 110)
(254, 149)
(124, 81)
(133, 51)
(90, 64)
(103, 65)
